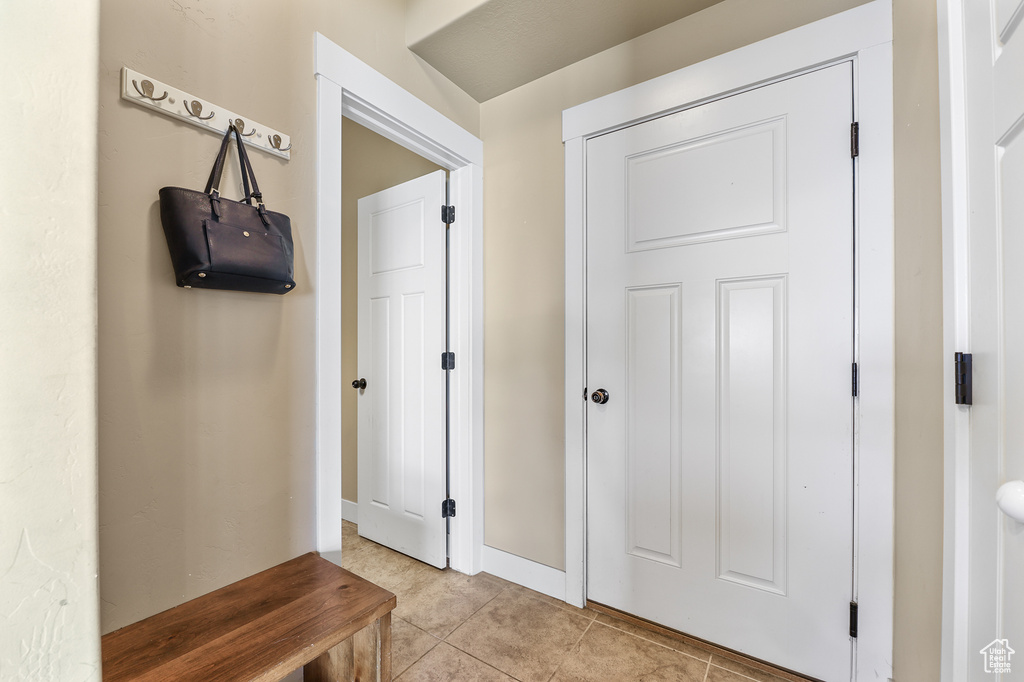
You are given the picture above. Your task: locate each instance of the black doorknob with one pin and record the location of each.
(600, 396)
(359, 384)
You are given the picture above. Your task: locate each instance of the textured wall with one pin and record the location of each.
(369, 163)
(206, 398)
(49, 626)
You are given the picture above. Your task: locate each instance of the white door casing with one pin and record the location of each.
(863, 35)
(720, 471)
(983, 246)
(347, 87)
(401, 331)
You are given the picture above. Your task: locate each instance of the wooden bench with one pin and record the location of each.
(305, 612)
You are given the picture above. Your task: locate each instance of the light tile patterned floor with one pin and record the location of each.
(450, 627)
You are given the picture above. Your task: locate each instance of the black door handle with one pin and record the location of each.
(359, 384)
(600, 396)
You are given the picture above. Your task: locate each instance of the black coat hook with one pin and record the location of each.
(147, 91)
(196, 109)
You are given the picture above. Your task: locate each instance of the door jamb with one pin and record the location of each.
(863, 35)
(347, 87)
(957, 652)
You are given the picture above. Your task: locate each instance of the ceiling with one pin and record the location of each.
(495, 46)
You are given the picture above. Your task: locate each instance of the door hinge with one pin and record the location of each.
(447, 361)
(448, 214)
(853, 619)
(448, 509)
(856, 381)
(963, 371)
(854, 140)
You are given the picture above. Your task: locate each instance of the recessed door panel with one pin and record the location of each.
(396, 237)
(379, 468)
(653, 442)
(752, 423)
(413, 406)
(720, 186)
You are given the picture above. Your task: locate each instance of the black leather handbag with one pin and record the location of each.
(218, 243)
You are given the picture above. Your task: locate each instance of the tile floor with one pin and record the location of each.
(450, 627)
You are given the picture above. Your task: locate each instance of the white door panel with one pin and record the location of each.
(720, 321)
(1011, 189)
(401, 338)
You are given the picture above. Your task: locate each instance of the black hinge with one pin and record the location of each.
(856, 383)
(448, 214)
(853, 619)
(448, 508)
(963, 372)
(854, 140)
(447, 361)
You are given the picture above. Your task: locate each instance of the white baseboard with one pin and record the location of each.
(516, 569)
(350, 511)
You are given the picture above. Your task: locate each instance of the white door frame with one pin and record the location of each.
(957, 657)
(862, 35)
(347, 87)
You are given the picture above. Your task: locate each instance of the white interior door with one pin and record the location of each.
(720, 321)
(994, 61)
(401, 318)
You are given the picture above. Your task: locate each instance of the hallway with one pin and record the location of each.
(453, 627)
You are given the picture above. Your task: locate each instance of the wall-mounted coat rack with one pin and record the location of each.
(152, 94)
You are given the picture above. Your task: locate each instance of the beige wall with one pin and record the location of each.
(524, 291)
(919, 363)
(369, 163)
(49, 606)
(206, 398)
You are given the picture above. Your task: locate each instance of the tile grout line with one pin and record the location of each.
(512, 591)
(572, 648)
(752, 663)
(742, 675)
(445, 638)
(489, 665)
(664, 646)
(539, 597)
(417, 660)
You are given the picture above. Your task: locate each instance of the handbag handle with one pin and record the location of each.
(213, 183)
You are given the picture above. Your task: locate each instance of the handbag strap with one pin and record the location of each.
(213, 183)
(249, 174)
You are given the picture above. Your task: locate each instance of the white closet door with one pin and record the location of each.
(721, 325)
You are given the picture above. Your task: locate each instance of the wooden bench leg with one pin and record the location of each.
(363, 657)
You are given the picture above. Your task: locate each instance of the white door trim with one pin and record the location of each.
(347, 87)
(864, 36)
(956, 653)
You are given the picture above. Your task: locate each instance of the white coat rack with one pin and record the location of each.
(153, 94)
